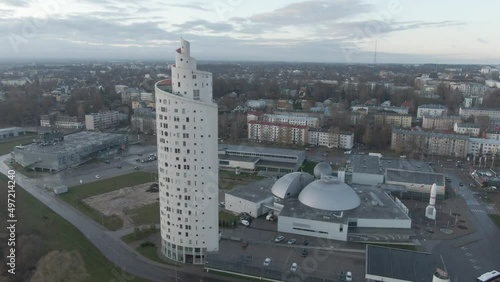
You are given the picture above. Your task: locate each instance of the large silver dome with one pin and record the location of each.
(291, 184)
(329, 194)
(322, 169)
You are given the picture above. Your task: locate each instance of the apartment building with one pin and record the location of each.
(440, 122)
(480, 146)
(492, 135)
(61, 121)
(143, 121)
(472, 101)
(187, 162)
(392, 118)
(466, 128)
(293, 120)
(424, 142)
(431, 110)
(467, 112)
(331, 138)
(102, 120)
(281, 133)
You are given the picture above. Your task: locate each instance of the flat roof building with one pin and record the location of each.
(254, 198)
(11, 132)
(275, 161)
(388, 264)
(74, 149)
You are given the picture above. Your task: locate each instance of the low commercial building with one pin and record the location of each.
(366, 170)
(431, 110)
(54, 154)
(102, 120)
(388, 264)
(492, 135)
(418, 184)
(254, 198)
(440, 122)
(274, 161)
(11, 132)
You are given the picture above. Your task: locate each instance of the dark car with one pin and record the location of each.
(305, 243)
(304, 253)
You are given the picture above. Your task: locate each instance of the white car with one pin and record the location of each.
(267, 261)
(97, 176)
(348, 276)
(293, 268)
(245, 222)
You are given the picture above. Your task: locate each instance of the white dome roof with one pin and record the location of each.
(328, 193)
(291, 184)
(322, 169)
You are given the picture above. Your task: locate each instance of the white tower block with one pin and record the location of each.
(430, 210)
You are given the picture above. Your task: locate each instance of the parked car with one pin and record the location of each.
(245, 222)
(348, 276)
(136, 168)
(292, 241)
(461, 184)
(107, 161)
(304, 253)
(97, 176)
(267, 261)
(305, 243)
(279, 239)
(472, 185)
(293, 268)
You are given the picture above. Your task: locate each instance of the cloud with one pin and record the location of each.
(194, 6)
(313, 11)
(204, 25)
(16, 3)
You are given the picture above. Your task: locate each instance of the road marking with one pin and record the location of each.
(472, 260)
(478, 211)
(468, 254)
(477, 267)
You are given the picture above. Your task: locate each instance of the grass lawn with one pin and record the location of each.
(495, 218)
(77, 193)
(148, 214)
(151, 252)
(227, 217)
(7, 146)
(228, 179)
(308, 166)
(55, 233)
(139, 235)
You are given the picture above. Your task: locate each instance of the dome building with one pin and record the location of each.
(329, 194)
(329, 208)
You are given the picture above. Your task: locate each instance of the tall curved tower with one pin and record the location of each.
(187, 161)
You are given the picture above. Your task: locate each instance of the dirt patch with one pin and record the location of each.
(119, 201)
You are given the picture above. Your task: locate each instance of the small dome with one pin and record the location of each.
(322, 169)
(329, 194)
(291, 184)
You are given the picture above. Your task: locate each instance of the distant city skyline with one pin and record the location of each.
(336, 31)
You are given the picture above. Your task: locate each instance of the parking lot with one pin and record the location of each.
(324, 261)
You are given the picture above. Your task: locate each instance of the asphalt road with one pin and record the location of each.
(111, 248)
(468, 257)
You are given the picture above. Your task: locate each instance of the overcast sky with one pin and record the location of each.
(344, 31)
